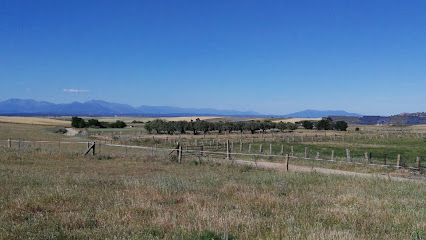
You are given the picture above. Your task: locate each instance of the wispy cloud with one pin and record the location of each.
(76, 90)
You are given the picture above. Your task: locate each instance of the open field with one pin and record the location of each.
(51, 191)
(295, 120)
(35, 121)
(51, 196)
(189, 118)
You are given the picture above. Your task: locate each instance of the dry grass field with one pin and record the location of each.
(193, 118)
(295, 120)
(63, 195)
(35, 121)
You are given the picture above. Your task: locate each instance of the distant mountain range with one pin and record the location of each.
(319, 114)
(102, 108)
(29, 107)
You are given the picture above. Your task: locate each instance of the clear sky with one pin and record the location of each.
(273, 57)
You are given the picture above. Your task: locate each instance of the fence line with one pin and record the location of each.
(228, 154)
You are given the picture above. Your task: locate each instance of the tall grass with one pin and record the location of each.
(65, 196)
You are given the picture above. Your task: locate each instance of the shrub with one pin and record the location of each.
(60, 130)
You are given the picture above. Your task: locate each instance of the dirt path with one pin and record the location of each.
(295, 168)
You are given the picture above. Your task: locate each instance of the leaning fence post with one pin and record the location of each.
(9, 143)
(398, 161)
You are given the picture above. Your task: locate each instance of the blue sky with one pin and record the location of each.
(272, 57)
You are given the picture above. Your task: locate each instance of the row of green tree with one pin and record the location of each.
(94, 123)
(326, 124)
(201, 126)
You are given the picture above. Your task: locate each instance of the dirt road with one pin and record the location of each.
(295, 168)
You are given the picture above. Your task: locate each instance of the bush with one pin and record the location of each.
(60, 130)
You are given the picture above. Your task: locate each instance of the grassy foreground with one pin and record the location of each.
(63, 196)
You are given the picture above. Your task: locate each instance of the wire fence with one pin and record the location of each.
(225, 150)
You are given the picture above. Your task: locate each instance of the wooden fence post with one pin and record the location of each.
(367, 160)
(9, 143)
(287, 159)
(241, 146)
(418, 162)
(348, 155)
(249, 148)
(282, 149)
(228, 150)
(318, 155)
(180, 154)
(398, 161)
(306, 152)
(177, 149)
(270, 149)
(292, 151)
(90, 148)
(260, 148)
(332, 155)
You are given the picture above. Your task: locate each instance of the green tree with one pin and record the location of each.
(252, 126)
(228, 126)
(324, 124)
(93, 123)
(78, 122)
(148, 126)
(181, 126)
(292, 126)
(307, 124)
(118, 124)
(341, 126)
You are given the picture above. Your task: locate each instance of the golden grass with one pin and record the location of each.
(294, 120)
(69, 197)
(35, 121)
(189, 118)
